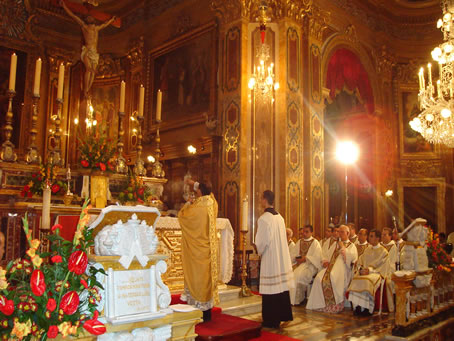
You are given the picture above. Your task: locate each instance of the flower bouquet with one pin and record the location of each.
(41, 300)
(96, 150)
(47, 175)
(438, 258)
(135, 191)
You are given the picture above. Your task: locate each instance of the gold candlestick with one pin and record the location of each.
(121, 166)
(139, 168)
(8, 154)
(33, 156)
(245, 291)
(55, 153)
(158, 172)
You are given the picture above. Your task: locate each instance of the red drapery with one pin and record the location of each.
(345, 70)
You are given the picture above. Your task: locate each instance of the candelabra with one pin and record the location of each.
(157, 171)
(245, 291)
(33, 156)
(8, 154)
(121, 166)
(436, 123)
(55, 153)
(139, 168)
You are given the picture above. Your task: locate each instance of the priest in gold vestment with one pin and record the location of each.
(372, 268)
(199, 250)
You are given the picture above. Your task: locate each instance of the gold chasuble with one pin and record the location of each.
(199, 251)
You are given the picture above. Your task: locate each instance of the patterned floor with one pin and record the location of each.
(314, 326)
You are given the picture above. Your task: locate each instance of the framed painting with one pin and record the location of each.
(412, 144)
(105, 103)
(184, 69)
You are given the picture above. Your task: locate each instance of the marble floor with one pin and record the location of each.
(315, 326)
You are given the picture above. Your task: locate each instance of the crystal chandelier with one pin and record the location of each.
(262, 79)
(436, 122)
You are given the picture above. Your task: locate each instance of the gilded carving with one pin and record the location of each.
(408, 72)
(350, 33)
(135, 54)
(56, 57)
(318, 22)
(421, 168)
(385, 61)
(231, 10)
(108, 67)
(13, 18)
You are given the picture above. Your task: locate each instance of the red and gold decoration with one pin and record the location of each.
(438, 258)
(47, 176)
(41, 300)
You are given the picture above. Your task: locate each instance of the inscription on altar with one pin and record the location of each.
(132, 291)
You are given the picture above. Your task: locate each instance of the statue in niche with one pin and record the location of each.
(89, 55)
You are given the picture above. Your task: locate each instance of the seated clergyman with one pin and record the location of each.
(309, 262)
(361, 243)
(372, 267)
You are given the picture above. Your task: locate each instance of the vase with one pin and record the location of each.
(98, 190)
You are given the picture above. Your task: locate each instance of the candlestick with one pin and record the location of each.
(245, 214)
(157, 170)
(45, 218)
(12, 72)
(121, 166)
(7, 152)
(141, 100)
(37, 77)
(158, 106)
(33, 156)
(122, 96)
(55, 152)
(61, 81)
(139, 168)
(245, 291)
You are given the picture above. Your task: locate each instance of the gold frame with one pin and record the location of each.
(417, 155)
(439, 183)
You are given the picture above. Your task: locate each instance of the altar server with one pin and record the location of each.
(199, 249)
(276, 274)
(331, 283)
(371, 269)
(309, 260)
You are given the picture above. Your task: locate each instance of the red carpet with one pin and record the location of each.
(228, 328)
(266, 336)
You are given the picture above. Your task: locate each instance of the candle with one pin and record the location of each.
(158, 106)
(61, 80)
(141, 100)
(122, 96)
(68, 174)
(429, 67)
(37, 77)
(440, 95)
(245, 215)
(423, 80)
(12, 72)
(420, 80)
(45, 219)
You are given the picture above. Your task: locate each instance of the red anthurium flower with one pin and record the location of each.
(51, 305)
(102, 166)
(84, 283)
(37, 282)
(56, 226)
(26, 188)
(29, 194)
(6, 306)
(84, 163)
(52, 333)
(55, 188)
(70, 303)
(77, 262)
(93, 326)
(56, 259)
(141, 191)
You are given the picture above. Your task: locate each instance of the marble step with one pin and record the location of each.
(229, 293)
(242, 306)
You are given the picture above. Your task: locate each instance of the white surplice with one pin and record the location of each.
(305, 272)
(391, 247)
(331, 283)
(328, 248)
(293, 251)
(276, 274)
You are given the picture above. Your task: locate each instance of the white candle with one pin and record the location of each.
(61, 81)
(244, 215)
(12, 72)
(45, 219)
(37, 77)
(440, 95)
(122, 96)
(158, 105)
(141, 99)
(429, 67)
(420, 80)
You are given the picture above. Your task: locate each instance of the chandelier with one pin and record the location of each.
(436, 122)
(262, 79)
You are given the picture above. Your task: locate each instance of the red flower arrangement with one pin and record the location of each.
(135, 191)
(47, 175)
(96, 151)
(42, 300)
(438, 258)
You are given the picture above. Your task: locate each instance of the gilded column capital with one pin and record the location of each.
(56, 58)
(318, 22)
(231, 10)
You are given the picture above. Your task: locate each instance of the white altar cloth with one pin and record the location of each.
(226, 243)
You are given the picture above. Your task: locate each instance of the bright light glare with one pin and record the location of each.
(389, 193)
(347, 152)
(151, 158)
(192, 149)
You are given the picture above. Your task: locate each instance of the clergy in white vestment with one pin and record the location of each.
(309, 261)
(328, 233)
(331, 283)
(276, 274)
(353, 236)
(330, 245)
(390, 246)
(372, 268)
(398, 240)
(361, 243)
(291, 245)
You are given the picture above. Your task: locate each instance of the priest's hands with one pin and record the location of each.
(325, 263)
(301, 260)
(364, 272)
